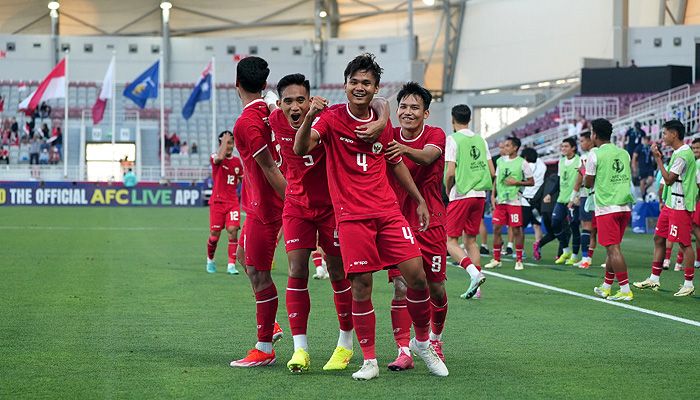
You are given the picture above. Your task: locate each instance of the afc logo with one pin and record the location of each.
(565, 175)
(474, 152)
(506, 173)
(617, 166)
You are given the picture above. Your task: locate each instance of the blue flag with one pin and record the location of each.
(201, 92)
(144, 87)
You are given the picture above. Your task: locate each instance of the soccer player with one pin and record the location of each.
(675, 220)
(421, 148)
(261, 198)
(539, 169)
(226, 171)
(608, 169)
(468, 176)
(696, 214)
(512, 172)
(307, 219)
(569, 171)
(588, 232)
(372, 232)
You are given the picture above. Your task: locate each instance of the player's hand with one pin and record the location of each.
(370, 132)
(396, 149)
(655, 151)
(318, 104)
(510, 181)
(423, 216)
(570, 205)
(547, 199)
(493, 204)
(226, 137)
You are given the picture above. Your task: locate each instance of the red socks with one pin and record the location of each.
(211, 246)
(689, 273)
(298, 305)
(518, 253)
(232, 247)
(656, 268)
(497, 253)
(317, 258)
(266, 309)
(697, 251)
(419, 308)
(621, 278)
(590, 252)
(365, 322)
(667, 256)
(342, 295)
(466, 261)
(679, 257)
(400, 322)
(438, 314)
(609, 277)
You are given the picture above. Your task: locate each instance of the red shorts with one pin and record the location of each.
(675, 225)
(696, 214)
(465, 215)
(259, 241)
(224, 215)
(370, 245)
(611, 227)
(433, 248)
(507, 215)
(303, 228)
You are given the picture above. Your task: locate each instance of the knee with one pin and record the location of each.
(260, 280)
(298, 270)
(659, 241)
(215, 233)
(437, 292)
(399, 289)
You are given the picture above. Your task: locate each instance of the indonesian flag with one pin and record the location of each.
(98, 109)
(52, 87)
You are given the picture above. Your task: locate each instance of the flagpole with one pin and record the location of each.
(162, 116)
(213, 104)
(65, 123)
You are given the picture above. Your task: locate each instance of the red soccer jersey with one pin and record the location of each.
(357, 178)
(307, 182)
(252, 135)
(428, 179)
(226, 176)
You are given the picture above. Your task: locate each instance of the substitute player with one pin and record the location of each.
(608, 169)
(421, 148)
(588, 233)
(512, 172)
(566, 208)
(696, 214)
(373, 234)
(263, 191)
(468, 176)
(676, 218)
(224, 212)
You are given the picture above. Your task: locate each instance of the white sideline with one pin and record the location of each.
(98, 228)
(585, 296)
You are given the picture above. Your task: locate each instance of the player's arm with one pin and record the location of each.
(494, 194)
(450, 175)
(425, 156)
(371, 131)
(221, 152)
(404, 177)
(634, 163)
(271, 99)
(574, 199)
(668, 176)
(272, 172)
(589, 179)
(528, 181)
(305, 139)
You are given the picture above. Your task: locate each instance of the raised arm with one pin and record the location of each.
(305, 139)
(669, 177)
(221, 151)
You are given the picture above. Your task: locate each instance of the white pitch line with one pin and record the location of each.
(585, 296)
(97, 228)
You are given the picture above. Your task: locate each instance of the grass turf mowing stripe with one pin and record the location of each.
(101, 228)
(585, 296)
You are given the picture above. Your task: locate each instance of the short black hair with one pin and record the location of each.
(529, 154)
(602, 128)
(293, 79)
(675, 125)
(414, 89)
(515, 141)
(571, 141)
(462, 114)
(696, 140)
(252, 73)
(364, 62)
(223, 133)
(586, 134)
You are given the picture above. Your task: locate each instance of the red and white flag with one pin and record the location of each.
(106, 93)
(52, 87)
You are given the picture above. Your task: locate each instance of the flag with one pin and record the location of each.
(98, 109)
(201, 92)
(52, 87)
(144, 87)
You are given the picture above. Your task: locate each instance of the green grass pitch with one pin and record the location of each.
(115, 303)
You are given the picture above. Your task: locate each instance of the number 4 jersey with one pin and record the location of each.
(357, 172)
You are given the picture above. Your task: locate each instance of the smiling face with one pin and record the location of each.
(412, 112)
(696, 150)
(361, 88)
(295, 104)
(566, 149)
(669, 136)
(509, 148)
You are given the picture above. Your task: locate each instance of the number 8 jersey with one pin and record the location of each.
(357, 176)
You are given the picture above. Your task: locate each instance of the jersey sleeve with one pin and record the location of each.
(527, 170)
(436, 139)
(591, 163)
(254, 139)
(321, 125)
(451, 150)
(678, 166)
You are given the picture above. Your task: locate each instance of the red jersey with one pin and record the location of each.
(226, 176)
(307, 182)
(428, 178)
(357, 179)
(252, 135)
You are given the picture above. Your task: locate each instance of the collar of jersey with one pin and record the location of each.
(415, 138)
(253, 102)
(371, 114)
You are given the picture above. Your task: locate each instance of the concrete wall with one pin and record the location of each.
(645, 53)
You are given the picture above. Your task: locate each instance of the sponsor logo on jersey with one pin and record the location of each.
(292, 241)
(377, 148)
(347, 140)
(355, 263)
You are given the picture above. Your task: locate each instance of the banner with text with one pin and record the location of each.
(99, 195)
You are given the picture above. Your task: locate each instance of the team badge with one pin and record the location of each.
(377, 148)
(236, 170)
(617, 166)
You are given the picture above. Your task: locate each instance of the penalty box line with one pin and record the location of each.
(598, 299)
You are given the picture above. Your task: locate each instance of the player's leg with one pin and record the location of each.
(515, 223)
(212, 242)
(681, 220)
(364, 322)
(400, 322)
(298, 305)
(661, 233)
(499, 219)
(561, 231)
(484, 238)
(585, 217)
(574, 225)
(614, 226)
(548, 237)
(217, 221)
(463, 217)
(233, 223)
(318, 258)
(434, 265)
(509, 244)
(606, 287)
(696, 233)
(680, 256)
